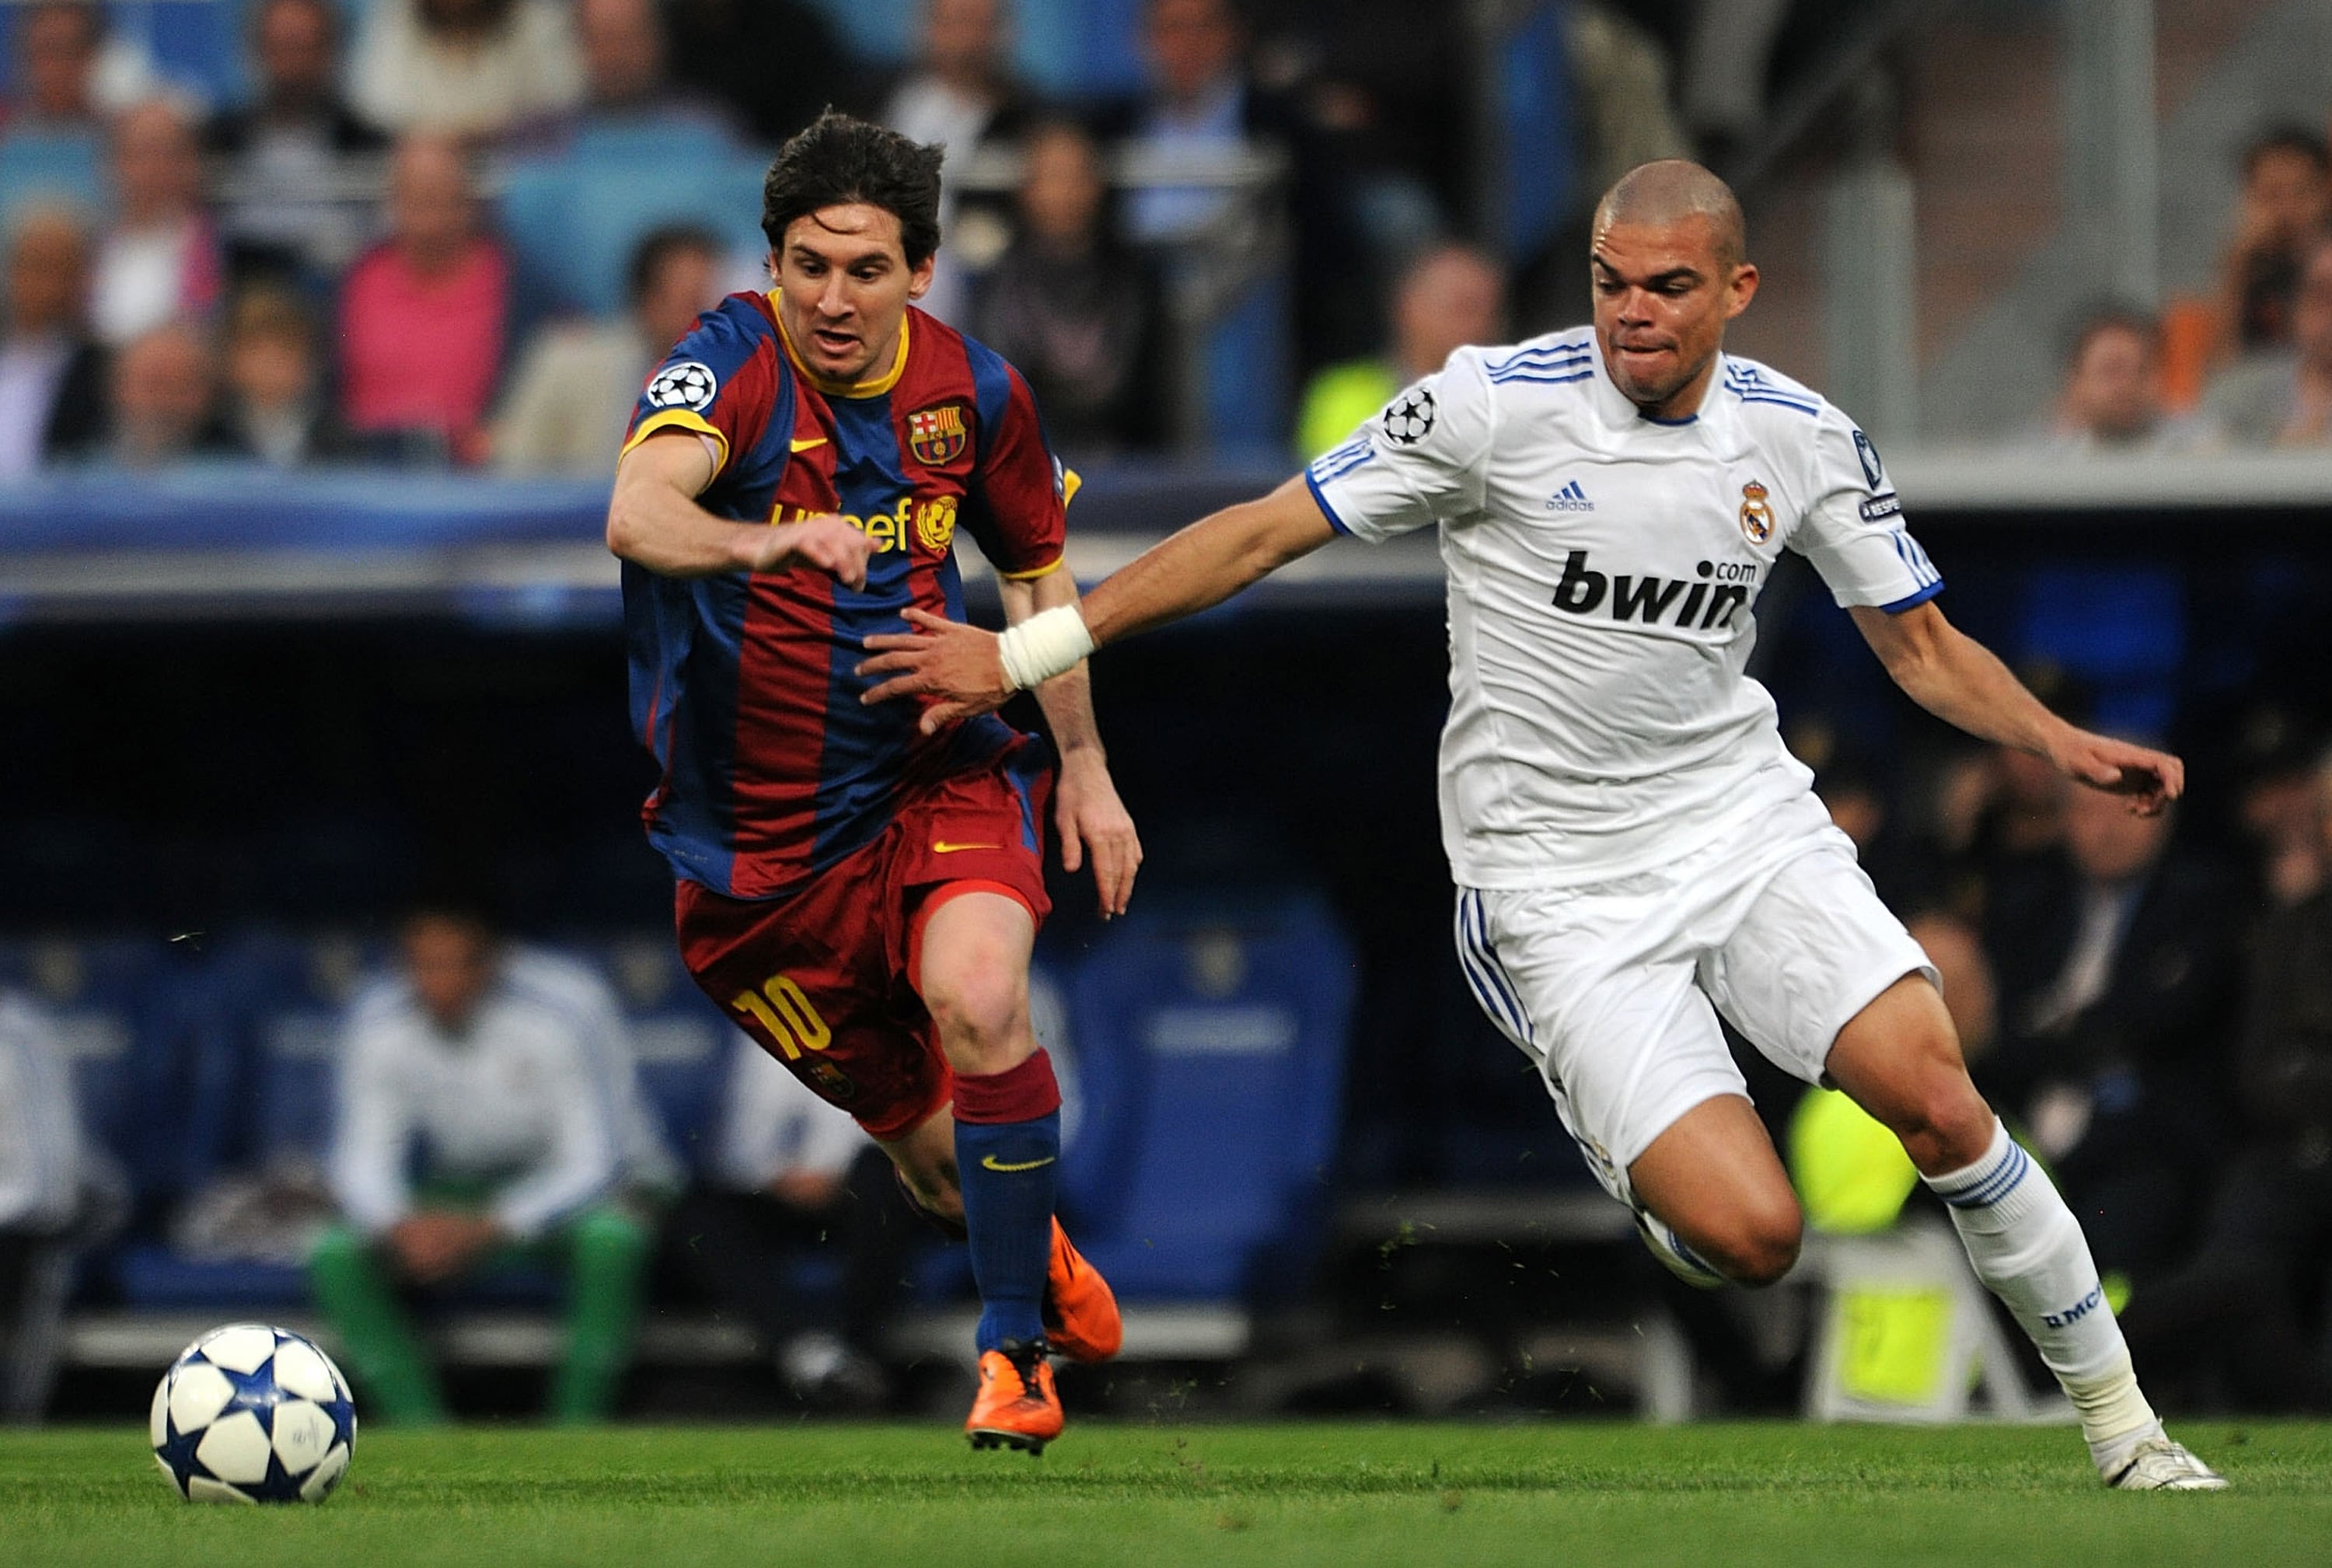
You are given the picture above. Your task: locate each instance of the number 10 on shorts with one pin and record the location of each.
(781, 1009)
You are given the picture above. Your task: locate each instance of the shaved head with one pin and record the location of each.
(1671, 191)
(1666, 265)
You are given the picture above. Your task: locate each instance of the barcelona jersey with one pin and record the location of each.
(743, 685)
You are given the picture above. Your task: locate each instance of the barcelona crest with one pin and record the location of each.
(937, 435)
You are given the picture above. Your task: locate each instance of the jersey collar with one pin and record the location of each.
(872, 388)
(1618, 413)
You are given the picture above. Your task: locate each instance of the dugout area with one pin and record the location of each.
(231, 765)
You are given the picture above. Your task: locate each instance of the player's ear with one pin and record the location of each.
(919, 280)
(1742, 290)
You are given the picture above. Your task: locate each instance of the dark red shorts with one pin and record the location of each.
(824, 978)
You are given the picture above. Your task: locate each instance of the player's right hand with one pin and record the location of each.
(826, 544)
(2151, 780)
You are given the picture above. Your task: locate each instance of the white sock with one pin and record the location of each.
(2028, 1248)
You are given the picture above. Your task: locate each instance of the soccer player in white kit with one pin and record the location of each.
(1635, 850)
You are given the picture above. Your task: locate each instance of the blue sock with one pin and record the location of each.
(1009, 1171)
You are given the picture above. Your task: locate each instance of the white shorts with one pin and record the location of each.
(1609, 988)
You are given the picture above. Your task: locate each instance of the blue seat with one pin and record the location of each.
(680, 1040)
(67, 167)
(1210, 1044)
(121, 1005)
(2121, 627)
(574, 219)
(272, 1021)
(265, 1035)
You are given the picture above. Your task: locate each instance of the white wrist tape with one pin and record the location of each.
(1047, 644)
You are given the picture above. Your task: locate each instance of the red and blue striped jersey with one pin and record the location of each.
(743, 685)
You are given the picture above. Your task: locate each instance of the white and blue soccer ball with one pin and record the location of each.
(253, 1414)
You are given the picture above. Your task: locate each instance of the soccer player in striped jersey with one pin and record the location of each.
(859, 891)
(1635, 849)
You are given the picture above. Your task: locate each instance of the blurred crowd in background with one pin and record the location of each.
(379, 253)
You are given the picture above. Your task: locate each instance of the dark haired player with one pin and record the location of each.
(860, 894)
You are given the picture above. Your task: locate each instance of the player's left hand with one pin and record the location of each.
(1092, 821)
(2151, 780)
(957, 663)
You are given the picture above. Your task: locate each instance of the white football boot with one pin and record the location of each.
(2159, 1464)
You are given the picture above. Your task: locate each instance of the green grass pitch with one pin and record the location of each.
(1601, 1496)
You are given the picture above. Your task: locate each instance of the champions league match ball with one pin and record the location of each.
(253, 1414)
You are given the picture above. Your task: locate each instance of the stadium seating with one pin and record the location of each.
(121, 1004)
(266, 1012)
(679, 1039)
(575, 218)
(1211, 1046)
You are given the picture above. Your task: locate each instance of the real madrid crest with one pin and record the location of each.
(937, 435)
(1756, 516)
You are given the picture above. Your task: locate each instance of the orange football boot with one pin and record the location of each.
(1016, 1407)
(1081, 1318)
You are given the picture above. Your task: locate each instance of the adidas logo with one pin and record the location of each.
(1570, 498)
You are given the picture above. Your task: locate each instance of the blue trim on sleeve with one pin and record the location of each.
(1913, 601)
(1327, 510)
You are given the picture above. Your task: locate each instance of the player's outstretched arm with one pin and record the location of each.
(654, 520)
(1963, 682)
(1202, 565)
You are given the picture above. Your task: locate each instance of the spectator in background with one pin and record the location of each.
(275, 409)
(1450, 296)
(2120, 969)
(2112, 397)
(52, 378)
(425, 316)
(960, 95)
(466, 68)
(574, 391)
(2286, 199)
(160, 259)
(1202, 103)
(2285, 399)
(626, 83)
(57, 46)
(774, 62)
(487, 1106)
(2242, 1300)
(291, 154)
(2280, 804)
(1999, 812)
(792, 1173)
(1078, 313)
(41, 1204)
(165, 399)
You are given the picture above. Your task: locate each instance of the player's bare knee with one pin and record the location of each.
(1944, 1124)
(1760, 1245)
(982, 1015)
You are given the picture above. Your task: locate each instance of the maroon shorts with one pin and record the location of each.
(823, 977)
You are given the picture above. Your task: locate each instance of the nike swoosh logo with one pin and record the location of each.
(941, 847)
(805, 445)
(990, 1162)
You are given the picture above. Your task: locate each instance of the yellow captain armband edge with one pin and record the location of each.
(678, 419)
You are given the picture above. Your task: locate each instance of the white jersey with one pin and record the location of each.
(1602, 567)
